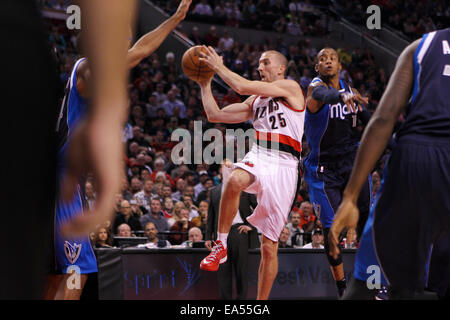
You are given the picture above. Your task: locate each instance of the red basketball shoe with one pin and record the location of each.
(217, 256)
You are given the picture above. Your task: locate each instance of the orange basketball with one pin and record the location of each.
(193, 67)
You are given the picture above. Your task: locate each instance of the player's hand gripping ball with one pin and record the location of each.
(193, 68)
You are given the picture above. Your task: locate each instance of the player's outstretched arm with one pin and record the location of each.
(374, 141)
(280, 88)
(233, 113)
(151, 41)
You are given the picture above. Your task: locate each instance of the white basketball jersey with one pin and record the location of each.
(278, 126)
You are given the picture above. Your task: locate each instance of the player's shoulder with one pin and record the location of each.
(316, 82)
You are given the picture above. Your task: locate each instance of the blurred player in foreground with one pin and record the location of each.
(77, 251)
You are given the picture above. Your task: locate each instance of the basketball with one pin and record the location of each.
(193, 68)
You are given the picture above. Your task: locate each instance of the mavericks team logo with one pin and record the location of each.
(72, 251)
(317, 208)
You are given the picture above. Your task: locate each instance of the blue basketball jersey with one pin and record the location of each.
(71, 252)
(72, 109)
(428, 113)
(331, 132)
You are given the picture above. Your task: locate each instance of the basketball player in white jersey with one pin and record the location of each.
(277, 107)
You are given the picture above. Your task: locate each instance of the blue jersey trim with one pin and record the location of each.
(417, 69)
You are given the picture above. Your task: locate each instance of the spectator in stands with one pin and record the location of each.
(194, 235)
(172, 103)
(220, 12)
(296, 238)
(308, 219)
(124, 230)
(176, 213)
(200, 220)
(204, 195)
(189, 204)
(151, 232)
(126, 216)
(195, 36)
(203, 9)
(307, 216)
(226, 40)
(179, 187)
(159, 93)
(156, 216)
(135, 185)
(103, 238)
(211, 37)
(159, 167)
(180, 228)
(152, 105)
(317, 240)
(168, 206)
(89, 195)
(199, 187)
(284, 237)
(137, 208)
(146, 194)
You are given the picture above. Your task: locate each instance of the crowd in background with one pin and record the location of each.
(413, 18)
(168, 203)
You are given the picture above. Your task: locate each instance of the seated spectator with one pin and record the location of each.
(181, 228)
(147, 194)
(350, 242)
(199, 187)
(126, 216)
(204, 195)
(156, 216)
(200, 220)
(102, 238)
(135, 185)
(195, 36)
(171, 103)
(137, 209)
(90, 195)
(159, 167)
(124, 230)
(168, 207)
(189, 204)
(179, 187)
(194, 235)
(307, 216)
(211, 38)
(151, 232)
(317, 240)
(176, 213)
(203, 9)
(284, 237)
(296, 239)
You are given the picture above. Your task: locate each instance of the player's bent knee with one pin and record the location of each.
(238, 181)
(269, 250)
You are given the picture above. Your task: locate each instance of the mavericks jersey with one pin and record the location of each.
(74, 252)
(279, 127)
(72, 109)
(428, 113)
(332, 132)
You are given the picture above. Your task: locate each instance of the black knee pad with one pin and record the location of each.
(333, 262)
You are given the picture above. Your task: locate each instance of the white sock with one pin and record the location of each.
(223, 238)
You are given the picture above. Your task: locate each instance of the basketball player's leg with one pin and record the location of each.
(268, 267)
(70, 287)
(238, 181)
